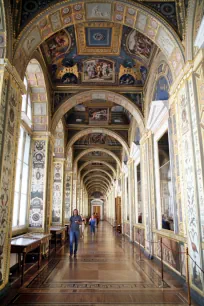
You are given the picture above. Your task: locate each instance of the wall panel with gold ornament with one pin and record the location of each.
(11, 90)
(190, 195)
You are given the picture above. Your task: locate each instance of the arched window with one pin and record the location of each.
(20, 208)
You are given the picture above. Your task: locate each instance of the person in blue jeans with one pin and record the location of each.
(92, 222)
(74, 233)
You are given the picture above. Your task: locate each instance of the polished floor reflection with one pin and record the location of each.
(107, 271)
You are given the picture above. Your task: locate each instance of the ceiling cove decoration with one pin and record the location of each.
(29, 8)
(134, 15)
(166, 9)
(97, 139)
(68, 67)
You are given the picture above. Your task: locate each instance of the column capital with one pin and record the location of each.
(146, 135)
(43, 135)
(59, 160)
(13, 72)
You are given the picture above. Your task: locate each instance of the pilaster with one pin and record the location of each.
(41, 174)
(11, 90)
(57, 198)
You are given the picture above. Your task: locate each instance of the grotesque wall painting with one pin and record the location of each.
(67, 196)
(37, 184)
(57, 194)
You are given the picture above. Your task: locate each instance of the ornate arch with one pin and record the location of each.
(189, 28)
(100, 150)
(101, 131)
(92, 95)
(63, 14)
(96, 176)
(96, 161)
(38, 95)
(97, 170)
(155, 73)
(97, 182)
(98, 186)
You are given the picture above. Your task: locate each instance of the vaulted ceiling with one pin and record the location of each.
(97, 53)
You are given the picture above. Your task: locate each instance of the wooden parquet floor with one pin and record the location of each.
(107, 271)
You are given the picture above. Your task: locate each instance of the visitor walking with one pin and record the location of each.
(92, 222)
(74, 234)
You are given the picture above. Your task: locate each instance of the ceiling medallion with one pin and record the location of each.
(98, 36)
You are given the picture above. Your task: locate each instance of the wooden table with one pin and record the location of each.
(24, 245)
(57, 231)
(67, 229)
(44, 238)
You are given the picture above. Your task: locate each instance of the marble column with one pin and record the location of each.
(11, 90)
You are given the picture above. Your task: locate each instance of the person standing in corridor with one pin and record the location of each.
(92, 222)
(74, 234)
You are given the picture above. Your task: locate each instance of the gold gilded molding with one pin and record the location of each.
(73, 70)
(113, 49)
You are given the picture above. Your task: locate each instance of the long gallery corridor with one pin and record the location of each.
(107, 271)
(101, 118)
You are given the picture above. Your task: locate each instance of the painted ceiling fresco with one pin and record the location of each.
(67, 66)
(96, 153)
(97, 138)
(97, 115)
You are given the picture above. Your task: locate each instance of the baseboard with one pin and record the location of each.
(199, 299)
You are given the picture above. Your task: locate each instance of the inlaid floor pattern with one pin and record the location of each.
(107, 271)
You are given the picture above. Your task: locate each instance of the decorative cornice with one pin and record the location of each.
(158, 111)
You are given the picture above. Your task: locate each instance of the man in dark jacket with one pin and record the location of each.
(74, 234)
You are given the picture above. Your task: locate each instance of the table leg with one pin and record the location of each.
(61, 239)
(55, 242)
(49, 251)
(19, 262)
(23, 266)
(39, 257)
